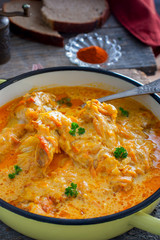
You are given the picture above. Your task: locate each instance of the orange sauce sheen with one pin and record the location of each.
(34, 134)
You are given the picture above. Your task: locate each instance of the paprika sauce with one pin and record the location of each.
(60, 160)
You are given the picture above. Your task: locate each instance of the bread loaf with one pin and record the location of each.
(33, 26)
(75, 16)
(67, 16)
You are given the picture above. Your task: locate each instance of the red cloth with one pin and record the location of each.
(140, 18)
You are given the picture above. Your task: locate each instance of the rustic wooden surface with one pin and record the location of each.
(25, 52)
(135, 55)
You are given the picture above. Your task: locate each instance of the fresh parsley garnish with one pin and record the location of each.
(66, 101)
(73, 132)
(17, 170)
(11, 175)
(81, 130)
(124, 112)
(74, 127)
(120, 153)
(71, 191)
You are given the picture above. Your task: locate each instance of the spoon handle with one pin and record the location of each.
(153, 87)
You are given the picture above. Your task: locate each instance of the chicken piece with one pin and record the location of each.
(25, 112)
(90, 148)
(40, 101)
(42, 145)
(81, 148)
(20, 125)
(103, 116)
(124, 183)
(34, 153)
(31, 105)
(10, 137)
(38, 149)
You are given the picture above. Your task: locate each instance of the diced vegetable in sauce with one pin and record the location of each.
(60, 160)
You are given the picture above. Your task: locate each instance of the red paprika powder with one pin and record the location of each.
(92, 54)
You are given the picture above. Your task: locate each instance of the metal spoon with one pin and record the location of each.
(153, 87)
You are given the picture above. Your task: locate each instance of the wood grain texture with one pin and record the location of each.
(26, 52)
(135, 55)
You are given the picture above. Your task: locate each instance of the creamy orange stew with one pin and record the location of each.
(60, 160)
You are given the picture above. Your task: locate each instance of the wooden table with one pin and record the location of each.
(135, 55)
(24, 52)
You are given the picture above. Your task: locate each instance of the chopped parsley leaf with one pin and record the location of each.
(71, 191)
(81, 130)
(66, 101)
(124, 112)
(11, 175)
(17, 170)
(120, 153)
(74, 127)
(73, 132)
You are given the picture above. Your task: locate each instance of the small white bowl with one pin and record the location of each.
(93, 39)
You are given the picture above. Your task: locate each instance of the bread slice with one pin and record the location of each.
(32, 27)
(75, 16)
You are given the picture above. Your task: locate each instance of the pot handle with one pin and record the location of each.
(2, 80)
(146, 222)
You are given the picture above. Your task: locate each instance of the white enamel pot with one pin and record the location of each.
(45, 228)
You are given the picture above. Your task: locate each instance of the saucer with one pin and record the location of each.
(93, 39)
